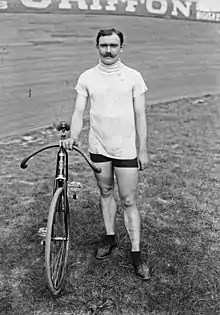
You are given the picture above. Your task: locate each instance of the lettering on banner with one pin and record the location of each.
(208, 16)
(184, 8)
(169, 8)
(3, 5)
(42, 4)
(96, 5)
(159, 7)
(151, 9)
(111, 5)
(131, 5)
(65, 4)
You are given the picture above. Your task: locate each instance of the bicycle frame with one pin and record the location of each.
(61, 175)
(60, 187)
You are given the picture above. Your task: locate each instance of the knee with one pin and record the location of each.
(128, 201)
(106, 192)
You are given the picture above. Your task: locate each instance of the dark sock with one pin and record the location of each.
(136, 258)
(110, 239)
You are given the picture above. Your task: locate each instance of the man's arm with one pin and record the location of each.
(76, 122)
(141, 129)
(77, 118)
(141, 122)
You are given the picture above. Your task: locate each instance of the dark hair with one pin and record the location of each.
(110, 31)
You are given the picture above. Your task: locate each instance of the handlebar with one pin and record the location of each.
(91, 164)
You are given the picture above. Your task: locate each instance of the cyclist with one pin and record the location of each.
(117, 116)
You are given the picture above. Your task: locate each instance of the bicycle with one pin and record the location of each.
(58, 222)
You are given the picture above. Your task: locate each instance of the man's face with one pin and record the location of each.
(109, 48)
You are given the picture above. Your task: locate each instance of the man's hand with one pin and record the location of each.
(143, 159)
(69, 143)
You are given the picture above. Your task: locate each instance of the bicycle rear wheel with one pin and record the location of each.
(57, 241)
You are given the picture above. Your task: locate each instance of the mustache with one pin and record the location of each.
(108, 54)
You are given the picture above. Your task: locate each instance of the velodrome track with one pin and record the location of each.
(41, 56)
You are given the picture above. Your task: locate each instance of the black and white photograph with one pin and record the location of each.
(110, 157)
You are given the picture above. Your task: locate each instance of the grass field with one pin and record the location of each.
(179, 204)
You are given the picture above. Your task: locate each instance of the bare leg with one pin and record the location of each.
(105, 181)
(132, 224)
(127, 183)
(108, 210)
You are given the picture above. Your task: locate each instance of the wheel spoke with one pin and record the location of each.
(54, 260)
(58, 265)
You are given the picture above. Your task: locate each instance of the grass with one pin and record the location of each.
(179, 204)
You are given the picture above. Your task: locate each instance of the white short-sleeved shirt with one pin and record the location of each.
(112, 121)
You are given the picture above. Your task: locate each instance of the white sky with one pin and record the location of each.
(208, 5)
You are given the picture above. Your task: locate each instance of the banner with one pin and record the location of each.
(208, 10)
(174, 9)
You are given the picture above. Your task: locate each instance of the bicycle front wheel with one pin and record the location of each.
(57, 241)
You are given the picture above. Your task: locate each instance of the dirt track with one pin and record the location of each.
(41, 57)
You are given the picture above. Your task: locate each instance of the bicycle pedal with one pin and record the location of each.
(74, 196)
(71, 193)
(73, 188)
(76, 185)
(42, 232)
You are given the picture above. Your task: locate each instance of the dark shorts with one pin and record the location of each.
(98, 158)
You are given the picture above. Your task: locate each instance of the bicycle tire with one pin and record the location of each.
(58, 232)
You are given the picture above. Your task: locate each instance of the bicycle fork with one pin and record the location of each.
(61, 176)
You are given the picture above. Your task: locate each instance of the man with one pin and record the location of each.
(117, 115)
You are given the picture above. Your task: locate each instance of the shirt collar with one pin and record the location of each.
(114, 68)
